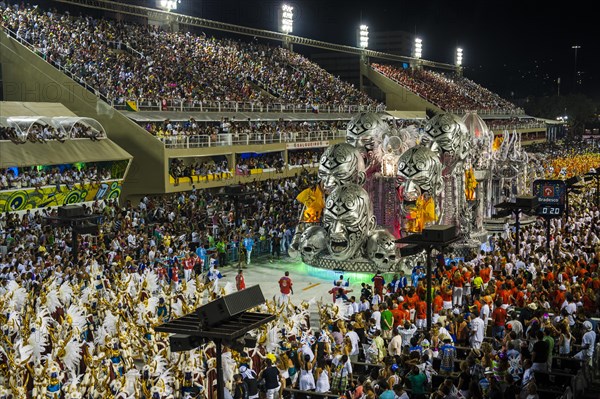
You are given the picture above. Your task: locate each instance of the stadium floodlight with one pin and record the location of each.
(363, 36)
(459, 56)
(169, 4)
(418, 50)
(287, 19)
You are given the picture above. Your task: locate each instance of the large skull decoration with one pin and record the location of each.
(449, 135)
(347, 219)
(365, 132)
(294, 249)
(419, 170)
(313, 242)
(381, 249)
(341, 164)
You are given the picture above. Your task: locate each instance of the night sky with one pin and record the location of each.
(514, 48)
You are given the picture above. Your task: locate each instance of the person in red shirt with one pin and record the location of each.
(175, 271)
(240, 281)
(499, 316)
(188, 266)
(285, 288)
(378, 283)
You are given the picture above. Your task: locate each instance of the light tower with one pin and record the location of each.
(168, 5)
(459, 61)
(363, 43)
(363, 36)
(575, 47)
(287, 23)
(418, 52)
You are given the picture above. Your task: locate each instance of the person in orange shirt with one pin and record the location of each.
(446, 297)
(467, 274)
(411, 300)
(505, 295)
(477, 304)
(484, 273)
(421, 313)
(559, 296)
(457, 288)
(398, 314)
(438, 304)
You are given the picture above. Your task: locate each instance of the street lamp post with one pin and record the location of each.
(444, 235)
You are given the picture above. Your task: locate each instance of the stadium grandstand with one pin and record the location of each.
(147, 127)
(165, 96)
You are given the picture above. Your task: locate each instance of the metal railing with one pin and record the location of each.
(495, 111)
(518, 126)
(228, 139)
(242, 106)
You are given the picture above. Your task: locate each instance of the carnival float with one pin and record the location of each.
(384, 183)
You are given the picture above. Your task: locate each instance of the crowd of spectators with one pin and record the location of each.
(513, 123)
(38, 132)
(67, 175)
(454, 93)
(506, 321)
(271, 160)
(241, 131)
(198, 168)
(142, 63)
(304, 157)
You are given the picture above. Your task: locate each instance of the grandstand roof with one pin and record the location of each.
(407, 114)
(159, 116)
(18, 108)
(57, 153)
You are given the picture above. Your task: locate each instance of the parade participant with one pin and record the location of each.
(285, 288)
(248, 245)
(240, 282)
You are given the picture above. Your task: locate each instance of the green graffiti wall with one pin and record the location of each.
(30, 198)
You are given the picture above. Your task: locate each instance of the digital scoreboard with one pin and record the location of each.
(551, 196)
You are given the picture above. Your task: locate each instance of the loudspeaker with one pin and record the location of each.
(236, 189)
(439, 233)
(410, 249)
(526, 201)
(71, 211)
(226, 307)
(92, 229)
(182, 343)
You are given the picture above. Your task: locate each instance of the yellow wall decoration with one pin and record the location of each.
(30, 198)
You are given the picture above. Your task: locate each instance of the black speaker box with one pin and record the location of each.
(183, 343)
(410, 249)
(226, 307)
(71, 211)
(236, 189)
(439, 233)
(526, 201)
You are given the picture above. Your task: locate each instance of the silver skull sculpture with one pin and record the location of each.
(381, 249)
(313, 242)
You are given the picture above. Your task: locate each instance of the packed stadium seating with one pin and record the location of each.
(152, 67)
(451, 93)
